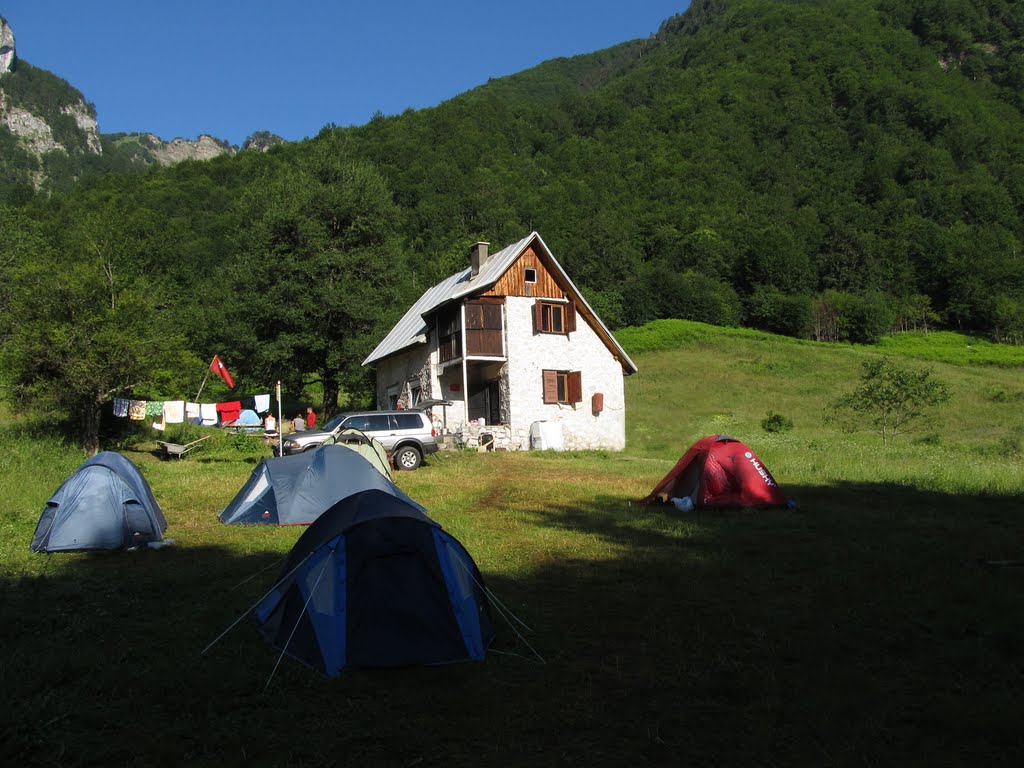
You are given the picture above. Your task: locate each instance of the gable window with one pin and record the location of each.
(563, 387)
(554, 316)
(530, 275)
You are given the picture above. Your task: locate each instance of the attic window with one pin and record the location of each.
(531, 275)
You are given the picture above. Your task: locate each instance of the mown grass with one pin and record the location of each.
(860, 628)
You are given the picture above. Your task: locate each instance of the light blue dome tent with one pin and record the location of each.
(105, 504)
(296, 490)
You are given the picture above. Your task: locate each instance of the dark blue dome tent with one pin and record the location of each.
(374, 582)
(105, 504)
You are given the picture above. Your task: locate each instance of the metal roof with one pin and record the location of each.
(412, 329)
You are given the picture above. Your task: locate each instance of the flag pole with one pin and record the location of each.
(280, 424)
(205, 377)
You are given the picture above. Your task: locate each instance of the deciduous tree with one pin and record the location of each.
(890, 397)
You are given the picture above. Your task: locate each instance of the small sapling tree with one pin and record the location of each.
(889, 397)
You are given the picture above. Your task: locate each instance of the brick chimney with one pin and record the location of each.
(478, 257)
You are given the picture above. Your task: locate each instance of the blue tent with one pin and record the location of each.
(248, 418)
(105, 504)
(374, 582)
(296, 490)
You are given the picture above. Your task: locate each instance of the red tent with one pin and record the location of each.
(719, 471)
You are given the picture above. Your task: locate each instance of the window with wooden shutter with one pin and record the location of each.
(563, 387)
(550, 317)
(550, 386)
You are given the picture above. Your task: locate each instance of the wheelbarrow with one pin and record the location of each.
(175, 450)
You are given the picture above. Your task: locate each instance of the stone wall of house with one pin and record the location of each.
(530, 354)
(399, 371)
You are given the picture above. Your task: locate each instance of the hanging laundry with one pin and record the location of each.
(191, 411)
(229, 411)
(120, 407)
(174, 411)
(262, 403)
(137, 410)
(158, 423)
(208, 413)
(155, 408)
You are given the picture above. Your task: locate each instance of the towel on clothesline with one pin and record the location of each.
(174, 411)
(208, 411)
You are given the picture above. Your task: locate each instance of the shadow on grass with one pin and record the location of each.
(855, 629)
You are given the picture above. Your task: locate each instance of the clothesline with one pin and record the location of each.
(179, 411)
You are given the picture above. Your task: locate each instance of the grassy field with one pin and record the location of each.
(863, 627)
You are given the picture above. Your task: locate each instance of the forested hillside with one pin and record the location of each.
(827, 170)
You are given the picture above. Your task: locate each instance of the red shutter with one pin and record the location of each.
(538, 317)
(570, 316)
(575, 387)
(550, 386)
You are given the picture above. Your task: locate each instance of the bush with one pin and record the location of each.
(769, 309)
(776, 422)
(839, 316)
(693, 296)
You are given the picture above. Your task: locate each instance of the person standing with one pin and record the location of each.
(310, 417)
(298, 423)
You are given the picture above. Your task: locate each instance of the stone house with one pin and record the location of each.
(512, 345)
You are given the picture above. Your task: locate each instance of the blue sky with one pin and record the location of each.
(233, 67)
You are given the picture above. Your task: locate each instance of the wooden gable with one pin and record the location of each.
(513, 282)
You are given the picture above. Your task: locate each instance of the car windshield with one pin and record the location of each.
(331, 425)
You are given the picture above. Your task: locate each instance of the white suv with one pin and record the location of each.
(407, 435)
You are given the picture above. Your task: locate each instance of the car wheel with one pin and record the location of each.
(407, 457)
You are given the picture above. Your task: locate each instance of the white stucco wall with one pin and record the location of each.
(529, 355)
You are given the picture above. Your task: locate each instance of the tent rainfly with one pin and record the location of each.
(719, 471)
(374, 582)
(296, 490)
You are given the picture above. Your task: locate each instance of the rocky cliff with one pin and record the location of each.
(6, 47)
(41, 114)
(169, 152)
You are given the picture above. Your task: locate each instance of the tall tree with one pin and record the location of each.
(319, 272)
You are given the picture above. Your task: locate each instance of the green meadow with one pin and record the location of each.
(878, 622)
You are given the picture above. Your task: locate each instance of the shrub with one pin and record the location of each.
(769, 309)
(776, 422)
(693, 296)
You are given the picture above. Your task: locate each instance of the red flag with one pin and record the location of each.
(218, 367)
